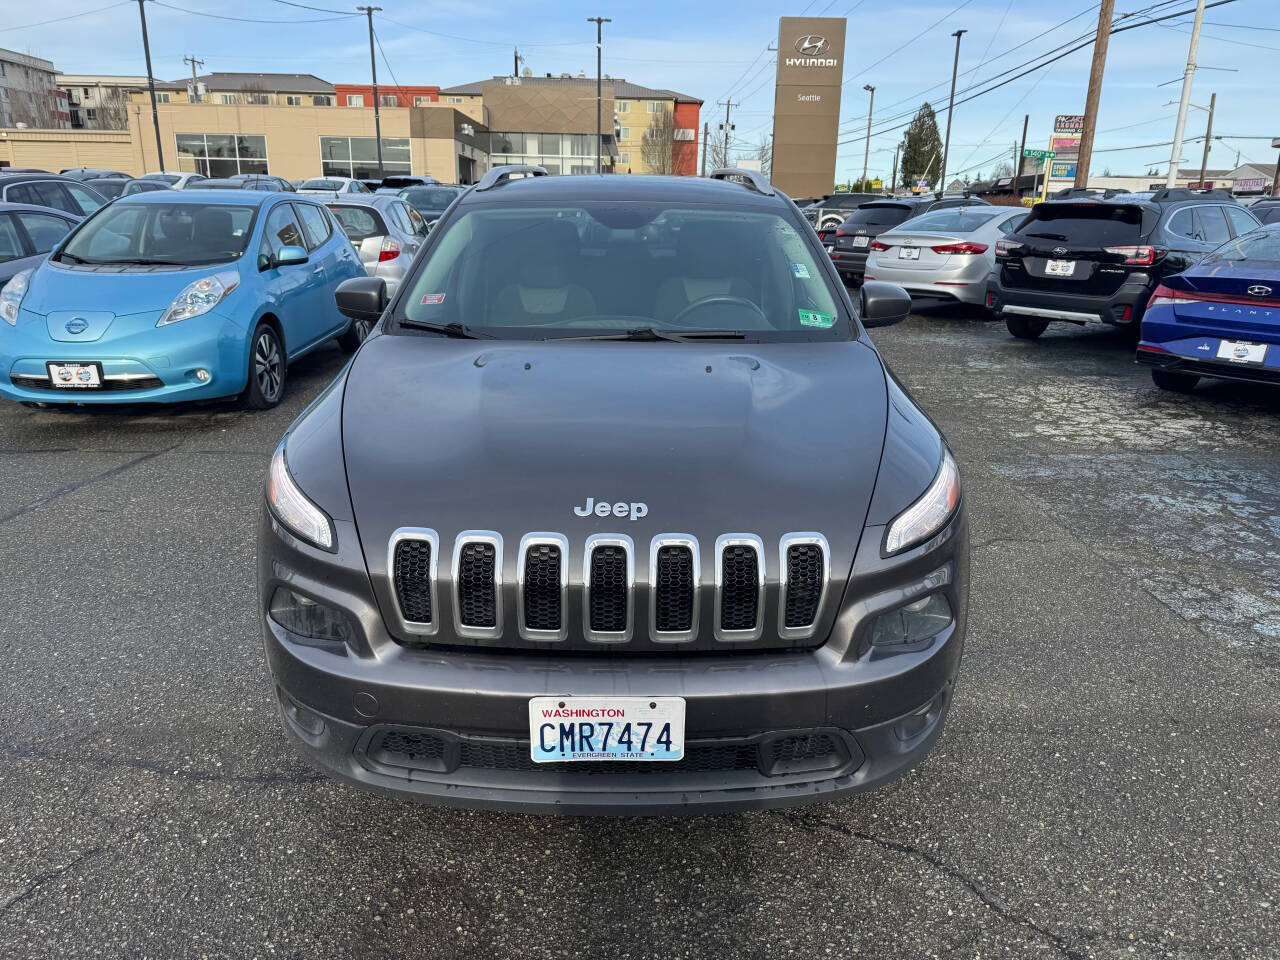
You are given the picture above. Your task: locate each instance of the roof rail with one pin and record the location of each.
(1186, 193)
(1106, 193)
(498, 175)
(751, 179)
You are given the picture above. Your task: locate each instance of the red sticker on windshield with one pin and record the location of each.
(431, 298)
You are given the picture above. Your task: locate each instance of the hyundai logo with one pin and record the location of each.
(811, 46)
(1260, 290)
(1059, 251)
(77, 325)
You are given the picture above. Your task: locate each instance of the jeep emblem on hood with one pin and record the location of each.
(620, 509)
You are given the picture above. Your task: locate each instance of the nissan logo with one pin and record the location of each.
(77, 325)
(1059, 251)
(1259, 290)
(811, 46)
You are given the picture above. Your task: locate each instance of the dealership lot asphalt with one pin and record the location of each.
(1105, 788)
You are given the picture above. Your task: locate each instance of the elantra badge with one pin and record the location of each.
(622, 508)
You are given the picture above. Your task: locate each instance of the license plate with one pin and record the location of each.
(1059, 268)
(75, 376)
(909, 253)
(606, 728)
(861, 241)
(829, 247)
(1240, 351)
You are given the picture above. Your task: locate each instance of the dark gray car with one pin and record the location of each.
(617, 510)
(27, 234)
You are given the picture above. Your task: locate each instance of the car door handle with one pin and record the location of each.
(317, 270)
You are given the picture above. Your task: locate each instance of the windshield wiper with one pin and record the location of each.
(653, 334)
(72, 257)
(144, 262)
(448, 329)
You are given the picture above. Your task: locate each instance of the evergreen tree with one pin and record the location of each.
(921, 148)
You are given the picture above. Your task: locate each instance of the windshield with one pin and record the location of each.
(169, 178)
(1260, 245)
(319, 183)
(953, 220)
(187, 234)
(110, 189)
(879, 215)
(430, 199)
(1084, 224)
(600, 268)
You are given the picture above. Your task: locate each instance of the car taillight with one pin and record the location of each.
(390, 250)
(877, 245)
(1140, 256)
(1165, 297)
(965, 247)
(1006, 248)
(840, 232)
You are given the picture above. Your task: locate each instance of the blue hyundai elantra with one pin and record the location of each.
(167, 297)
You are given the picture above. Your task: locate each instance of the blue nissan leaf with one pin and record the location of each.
(174, 296)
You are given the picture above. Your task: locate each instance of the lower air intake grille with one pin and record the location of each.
(673, 602)
(413, 580)
(609, 588)
(477, 600)
(740, 596)
(542, 587)
(804, 583)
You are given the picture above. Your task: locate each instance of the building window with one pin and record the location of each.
(91, 114)
(261, 99)
(322, 100)
(229, 98)
(422, 101)
(622, 106)
(655, 106)
(454, 100)
(624, 156)
(221, 154)
(390, 100)
(624, 133)
(355, 99)
(293, 101)
(85, 89)
(162, 97)
(358, 156)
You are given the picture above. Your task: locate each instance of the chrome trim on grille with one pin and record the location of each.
(38, 377)
(739, 540)
(792, 540)
(608, 540)
(538, 540)
(478, 536)
(673, 540)
(430, 536)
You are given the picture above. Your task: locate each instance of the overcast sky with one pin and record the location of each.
(715, 50)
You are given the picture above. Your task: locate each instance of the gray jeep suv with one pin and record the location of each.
(616, 510)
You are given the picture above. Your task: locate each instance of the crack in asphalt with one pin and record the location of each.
(40, 880)
(72, 487)
(166, 770)
(812, 825)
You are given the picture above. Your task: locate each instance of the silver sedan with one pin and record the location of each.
(943, 255)
(385, 231)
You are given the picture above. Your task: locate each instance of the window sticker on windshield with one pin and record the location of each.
(816, 318)
(431, 298)
(800, 270)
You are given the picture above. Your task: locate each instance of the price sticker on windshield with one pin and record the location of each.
(816, 318)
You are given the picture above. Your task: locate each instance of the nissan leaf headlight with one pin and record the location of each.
(930, 513)
(200, 297)
(291, 507)
(12, 294)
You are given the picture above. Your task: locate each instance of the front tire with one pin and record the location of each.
(1174, 380)
(1025, 328)
(355, 335)
(267, 369)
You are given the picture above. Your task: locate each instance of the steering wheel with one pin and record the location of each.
(712, 301)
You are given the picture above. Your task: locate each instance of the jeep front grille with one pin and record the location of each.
(803, 570)
(609, 580)
(674, 574)
(739, 587)
(542, 579)
(412, 557)
(477, 579)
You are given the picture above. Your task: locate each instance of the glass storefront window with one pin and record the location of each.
(221, 154)
(358, 157)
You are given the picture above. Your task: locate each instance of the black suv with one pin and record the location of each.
(1098, 259)
(827, 213)
(852, 240)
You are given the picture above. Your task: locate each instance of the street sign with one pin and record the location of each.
(1038, 154)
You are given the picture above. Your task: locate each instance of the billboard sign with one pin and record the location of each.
(1248, 186)
(1062, 170)
(1071, 124)
(1061, 145)
(806, 105)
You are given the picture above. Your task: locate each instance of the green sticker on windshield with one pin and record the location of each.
(815, 318)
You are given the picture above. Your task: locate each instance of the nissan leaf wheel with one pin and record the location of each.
(355, 334)
(266, 369)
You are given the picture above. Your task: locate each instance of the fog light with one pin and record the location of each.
(305, 617)
(914, 622)
(203, 375)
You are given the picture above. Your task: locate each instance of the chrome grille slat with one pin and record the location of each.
(477, 584)
(802, 590)
(600, 621)
(672, 588)
(406, 612)
(543, 557)
(738, 588)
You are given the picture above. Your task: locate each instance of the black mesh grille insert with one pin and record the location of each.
(739, 597)
(804, 583)
(542, 587)
(608, 612)
(673, 600)
(413, 580)
(514, 755)
(477, 601)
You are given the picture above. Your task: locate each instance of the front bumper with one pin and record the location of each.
(1123, 308)
(843, 717)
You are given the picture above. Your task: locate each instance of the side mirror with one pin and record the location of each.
(362, 298)
(290, 256)
(431, 225)
(883, 304)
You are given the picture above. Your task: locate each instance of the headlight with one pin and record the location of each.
(200, 297)
(307, 618)
(292, 508)
(12, 294)
(912, 623)
(926, 516)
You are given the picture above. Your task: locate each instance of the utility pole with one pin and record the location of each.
(1208, 138)
(951, 106)
(866, 148)
(151, 85)
(599, 22)
(1017, 163)
(1175, 153)
(373, 66)
(706, 133)
(1099, 64)
(195, 82)
(515, 61)
(727, 127)
(893, 184)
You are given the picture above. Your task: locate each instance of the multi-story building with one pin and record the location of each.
(29, 94)
(245, 89)
(361, 95)
(98, 101)
(551, 121)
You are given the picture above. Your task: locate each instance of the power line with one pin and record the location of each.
(219, 16)
(378, 41)
(495, 43)
(1210, 36)
(964, 4)
(70, 16)
(303, 6)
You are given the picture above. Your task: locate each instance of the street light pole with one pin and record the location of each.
(1208, 138)
(151, 85)
(866, 150)
(373, 65)
(1175, 153)
(951, 106)
(599, 22)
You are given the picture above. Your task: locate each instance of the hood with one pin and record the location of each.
(712, 438)
(131, 289)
